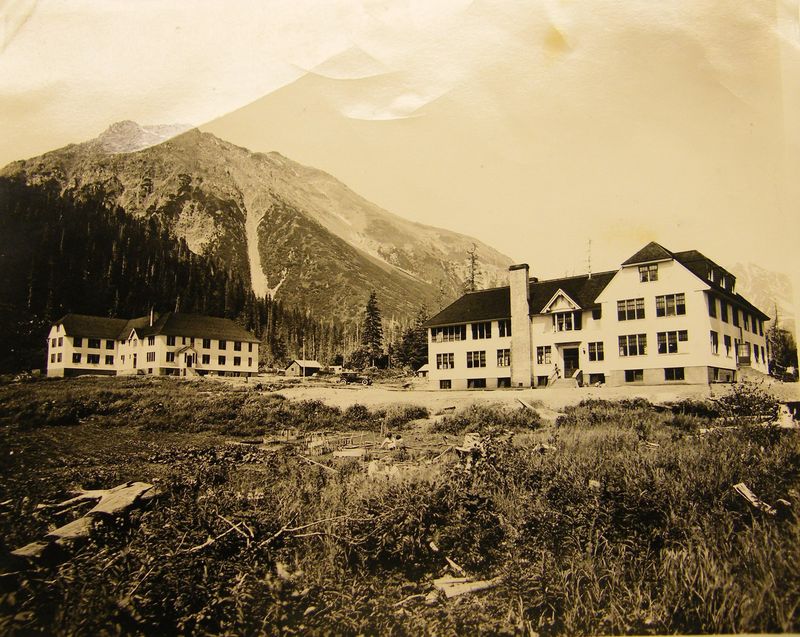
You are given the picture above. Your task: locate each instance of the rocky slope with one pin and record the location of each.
(767, 290)
(297, 232)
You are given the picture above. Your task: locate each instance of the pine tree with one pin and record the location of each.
(372, 332)
(473, 272)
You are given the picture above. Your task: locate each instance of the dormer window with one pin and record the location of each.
(566, 321)
(648, 272)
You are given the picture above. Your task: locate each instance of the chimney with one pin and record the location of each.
(521, 350)
(151, 317)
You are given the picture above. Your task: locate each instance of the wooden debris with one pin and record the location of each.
(455, 586)
(752, 498)
(594, 484)
(353, 452)
(76, 530)
(112, 503)
(319, 464)
(119, 499)
(456, 567)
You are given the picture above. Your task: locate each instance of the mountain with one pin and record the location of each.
(767, 290)
(295, 232)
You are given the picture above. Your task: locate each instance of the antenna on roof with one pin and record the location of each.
(589, 258)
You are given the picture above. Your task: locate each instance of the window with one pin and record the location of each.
(712, 306)
(206, 359)
(220, 360)
(76, 358)
(445, 384)
(755, 353)
(151, 340)
(78, 342)
(763, 354)
(191, 341)
(541, 381)
(673, 373)
(714, 342)
(630, 309)
(503, 382)
(671, 304)
(109, 344)
(476, 383)
(223, 344)
(53, 342)
(170, 357)
(109, 360)
(746, 318)
(237, 346)
(449, 333)
(183, 340)
(61, 341)
(504, 327)
(170, 340)
(237, 361)
(633, 345)
(444, 361)
(761, 329)
(151, 357)
(206, 343)
(249, 361)
(58, 357)
(634, 375)
(94, 343)
(668, 341)
(93, 359)
(543, 355)
(249, 347)
(123, 359)
(597, 313)
(476, 359)
(648, 272)
(727, 341)
(567, 321)
(723, 311)
(596, 351)
(52, 358)
(482, 330)
(503, 357)
(735, 316)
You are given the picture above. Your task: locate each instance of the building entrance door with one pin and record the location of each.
(134, 361)
(570, 361)
(189, 360)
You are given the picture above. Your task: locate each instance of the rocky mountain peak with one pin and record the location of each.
(128, 136)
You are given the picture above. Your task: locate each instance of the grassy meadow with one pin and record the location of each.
(619, 518)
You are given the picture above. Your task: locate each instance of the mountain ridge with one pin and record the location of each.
(221, 197)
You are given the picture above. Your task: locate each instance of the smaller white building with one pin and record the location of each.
(173, 344)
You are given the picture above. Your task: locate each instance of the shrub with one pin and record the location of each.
(477, 418)
(748, 399)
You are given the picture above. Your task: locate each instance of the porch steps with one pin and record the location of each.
(565, 382)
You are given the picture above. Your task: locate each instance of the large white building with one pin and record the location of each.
(170, 344)
(662, 317)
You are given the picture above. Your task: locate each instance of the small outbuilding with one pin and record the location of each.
(300, 367)
(422, 372)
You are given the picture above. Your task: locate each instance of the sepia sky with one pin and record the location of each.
(534, 126)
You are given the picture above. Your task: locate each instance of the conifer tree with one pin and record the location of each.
(372, 333)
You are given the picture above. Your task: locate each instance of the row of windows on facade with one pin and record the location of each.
(670, 374)
(751, 324)
(95, 343)
(631, 376)
(480, 330)
(474, 359)
(742, 349)
(94, 359)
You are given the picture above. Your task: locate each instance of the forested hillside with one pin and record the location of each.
(59, 255)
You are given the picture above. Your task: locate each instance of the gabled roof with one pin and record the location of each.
(700, 265)
(87, 326)
(304, 363)
(651, 252)
(198, 326)
(559, 292)
(583, 290)
(485, 305)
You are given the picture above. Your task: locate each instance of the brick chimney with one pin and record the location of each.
(521, 353)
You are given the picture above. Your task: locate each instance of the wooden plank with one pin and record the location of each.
(79, 529)
(120, 499)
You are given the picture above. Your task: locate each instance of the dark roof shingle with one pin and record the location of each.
(485, 305)
(87, 326)
(651, 252)
(197, 325)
